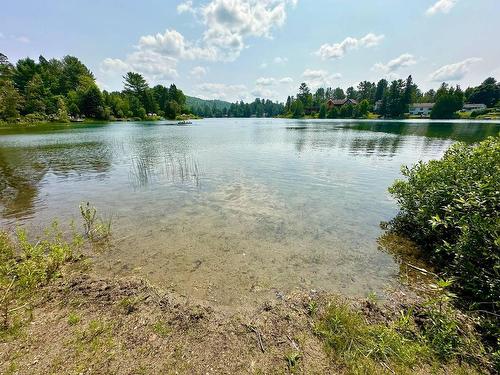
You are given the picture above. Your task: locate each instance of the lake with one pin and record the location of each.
(228, 210)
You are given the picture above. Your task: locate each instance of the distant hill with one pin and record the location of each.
(193, 102)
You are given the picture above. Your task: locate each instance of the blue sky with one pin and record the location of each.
(240, 49)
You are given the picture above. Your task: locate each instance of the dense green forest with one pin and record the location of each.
(258, 108)
(388, 99)
(60, 90)
(63, 89)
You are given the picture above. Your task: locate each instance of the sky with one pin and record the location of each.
(242, 49)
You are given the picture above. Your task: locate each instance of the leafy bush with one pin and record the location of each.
(479, 112)
(25, 266)
(451, 208)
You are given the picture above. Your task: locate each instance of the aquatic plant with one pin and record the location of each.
(95, 228)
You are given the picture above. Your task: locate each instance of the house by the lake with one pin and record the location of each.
(469, 107)
(421, 109)
(340, 102)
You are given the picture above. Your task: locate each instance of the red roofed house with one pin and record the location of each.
(340, 102)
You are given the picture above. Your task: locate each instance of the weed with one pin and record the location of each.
(312, 308)
(129, 304)
(161, 329)
(372, 298)
(357, 343)
(96, 229)
(292, 360)
(73, 319)
(25, 266)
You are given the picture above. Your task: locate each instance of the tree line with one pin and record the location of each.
(60, 89)
(387, 99)
(258, 108)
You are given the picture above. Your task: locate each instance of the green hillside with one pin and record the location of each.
(193, 102)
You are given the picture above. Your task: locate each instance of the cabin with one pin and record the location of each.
(469, 107)
(340, 102)
(421, 109)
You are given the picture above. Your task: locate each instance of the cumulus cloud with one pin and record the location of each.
(320, 78)
(280, 60)
(338, 50)
(265, 81)
(185, 7)
(271, 81)
(154, 66)
(454, 72)
(399, 62)
(198, 71)
(172, 43)
(229, 22)
(441, 6)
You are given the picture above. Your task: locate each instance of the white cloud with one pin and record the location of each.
(185, 7)
(264, 81)
(320, 78)
(338, 50)
(229, 22)
(280, 60)
(271, 81)
(286, 80)
(399, 62)
(221, 91)
(153, 65)
(454, 72)
(198, 71)
(172, 43)
(441, 6)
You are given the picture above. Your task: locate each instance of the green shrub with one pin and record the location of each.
(25, 266)
(451, 209)
(479, 112)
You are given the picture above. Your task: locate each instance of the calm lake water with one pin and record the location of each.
(227, 210)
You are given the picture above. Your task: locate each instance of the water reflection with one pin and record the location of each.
(24, 169)
(457, 131)
(18, 186)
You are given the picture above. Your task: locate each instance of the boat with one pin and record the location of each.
(184, 123)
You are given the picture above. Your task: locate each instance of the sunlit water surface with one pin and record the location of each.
(231, 211)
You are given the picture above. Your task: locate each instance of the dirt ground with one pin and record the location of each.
(87, 325)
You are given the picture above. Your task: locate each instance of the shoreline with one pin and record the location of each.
(123, 326)
(83, 323)
(21, 125)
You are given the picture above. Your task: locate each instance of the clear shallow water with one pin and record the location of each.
(227, 210)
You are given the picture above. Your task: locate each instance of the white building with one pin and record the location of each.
(421, 109)
(469, 107)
